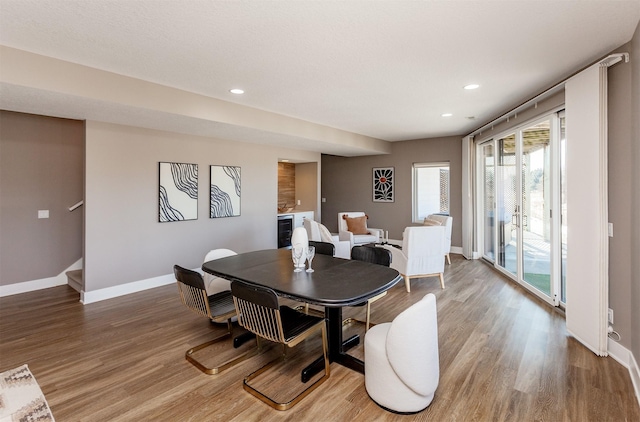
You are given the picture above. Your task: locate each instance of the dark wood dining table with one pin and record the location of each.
(334, 284)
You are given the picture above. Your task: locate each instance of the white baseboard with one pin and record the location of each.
(125, 289)
(625, 358)
(43, 283)
(618, 352)
(456, 250)
(634, 371)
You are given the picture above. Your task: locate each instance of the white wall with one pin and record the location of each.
(125, 243)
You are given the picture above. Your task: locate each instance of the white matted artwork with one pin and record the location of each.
(225, 191)
(383, 184)
(178, 192)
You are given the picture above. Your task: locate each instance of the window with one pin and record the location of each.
(430, 190)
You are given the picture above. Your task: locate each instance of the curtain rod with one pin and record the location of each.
(609, 60)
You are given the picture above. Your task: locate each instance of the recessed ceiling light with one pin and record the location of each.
(236, 91)
(447, 114)
(472, 86)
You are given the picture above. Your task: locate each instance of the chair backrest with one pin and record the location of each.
(324, 248)
(342, 223)
(424, 248)
(447, 222)
(212, 283)
(192, 290)
(420, 241)
(374, 255)
(317, 231)
(218, 253)
(258, 310)
(412, 346)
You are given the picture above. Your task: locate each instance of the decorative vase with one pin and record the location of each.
(299, 237)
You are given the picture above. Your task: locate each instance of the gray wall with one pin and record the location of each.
(124, 240)
(41, 168)
(635, 182)
(620, 156)
(347, 184)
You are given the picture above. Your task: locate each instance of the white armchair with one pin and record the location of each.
(422, 254)
(352, 226)
(401, 364)
(319, 233)
(447, 222)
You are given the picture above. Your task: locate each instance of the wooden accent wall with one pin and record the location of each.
(286, 184)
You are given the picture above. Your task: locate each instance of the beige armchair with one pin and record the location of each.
(352, 226)
(422, 254)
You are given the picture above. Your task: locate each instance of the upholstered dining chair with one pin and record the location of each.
(323, 248)
(447, 222)
(218, 307)
(352, 226)
(373, 255)
(260, 312)
(422, 254)
(401, 359)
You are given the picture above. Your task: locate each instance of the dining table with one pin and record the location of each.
(334, 284)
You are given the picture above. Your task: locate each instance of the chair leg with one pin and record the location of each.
(368, 321)
(441, 280)
(225, 365)
(448, 259)
(289, 404)
(406, 283)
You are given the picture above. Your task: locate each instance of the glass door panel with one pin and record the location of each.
(563, 212)
(536, 204)
(489, 200)
(522, 201)
(507, 204)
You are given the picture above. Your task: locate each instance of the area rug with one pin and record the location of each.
(21, 398)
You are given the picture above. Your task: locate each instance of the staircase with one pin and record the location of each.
(74, 280)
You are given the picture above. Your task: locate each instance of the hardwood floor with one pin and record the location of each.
(504, 356)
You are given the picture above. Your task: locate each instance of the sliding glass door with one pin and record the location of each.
(518, 189)
(535, 218)
(488, 181)
(507, 204)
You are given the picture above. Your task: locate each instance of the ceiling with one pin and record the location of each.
(383, 69)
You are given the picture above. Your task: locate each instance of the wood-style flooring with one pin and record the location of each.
(504, 356)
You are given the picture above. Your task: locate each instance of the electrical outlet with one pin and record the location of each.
(610, 316)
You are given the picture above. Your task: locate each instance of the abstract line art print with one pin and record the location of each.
(383, 184)
(178, 192)
(225, 191)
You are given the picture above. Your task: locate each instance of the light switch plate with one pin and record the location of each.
(43, 213)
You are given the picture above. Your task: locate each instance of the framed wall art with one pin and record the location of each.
(383, 184)
(225, 191)
(178, 192)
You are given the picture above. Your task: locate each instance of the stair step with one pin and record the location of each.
(74, 279)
